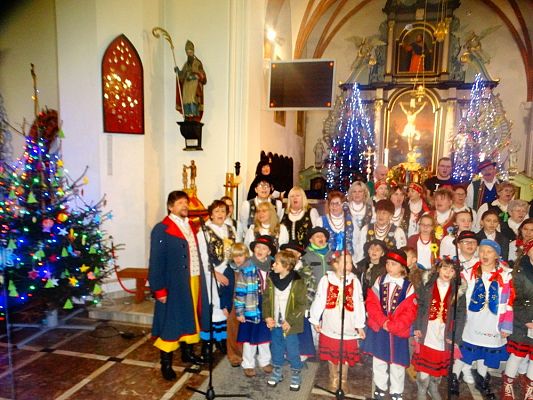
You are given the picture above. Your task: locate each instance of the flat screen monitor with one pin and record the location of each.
(301, 84)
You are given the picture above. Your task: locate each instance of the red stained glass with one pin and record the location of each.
(122, 88)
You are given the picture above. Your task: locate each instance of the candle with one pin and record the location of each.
(386, 157)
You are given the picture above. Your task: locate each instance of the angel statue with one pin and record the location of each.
(365, 54)
(473, 53)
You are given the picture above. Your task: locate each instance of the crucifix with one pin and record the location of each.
(369, 153)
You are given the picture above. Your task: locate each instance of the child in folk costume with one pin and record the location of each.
(391, 307)
(266, 222)
(462, 222)
(433, 328)
(489, 319)
(284, 306)
(425, 243)
(239, 255)
(305, 338)
(373, 265)
(250, 286)
(383, 229)
(416, 206)
(317, 252)
(443, 214)
(326, 316)
(520, 343)
(490, 221)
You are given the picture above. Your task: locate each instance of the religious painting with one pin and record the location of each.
(412, 134)
(416, 51)
(122, 88)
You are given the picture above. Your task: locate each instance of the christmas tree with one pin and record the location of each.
(352, 143)
(53, 250)
(484, 132)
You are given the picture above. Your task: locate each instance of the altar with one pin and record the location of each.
(420, 74)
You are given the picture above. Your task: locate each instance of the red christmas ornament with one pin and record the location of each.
(47, 224)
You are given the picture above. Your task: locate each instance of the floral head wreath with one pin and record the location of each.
(445, 259)
(335, 255)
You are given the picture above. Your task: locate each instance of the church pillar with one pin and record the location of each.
(390, 46)
(446, 48)
(528, 117)
(239, 79)
(448, 130)
(378, 125)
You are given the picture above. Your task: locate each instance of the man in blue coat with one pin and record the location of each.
(177, 282)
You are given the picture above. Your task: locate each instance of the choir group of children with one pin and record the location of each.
(414, 276)
(394, 322)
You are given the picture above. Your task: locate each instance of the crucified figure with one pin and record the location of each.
(409, 131)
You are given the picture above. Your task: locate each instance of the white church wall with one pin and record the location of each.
(262, 133)
(206, 24)
(27, 35)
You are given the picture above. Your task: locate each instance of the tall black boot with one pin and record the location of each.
(483, 385)
(187, 354)
(454, 385)
(222, 346)
(166, 366)
(205, 355)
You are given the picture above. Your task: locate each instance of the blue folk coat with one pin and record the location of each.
(169, 274)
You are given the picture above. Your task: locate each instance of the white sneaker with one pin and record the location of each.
(467, 375)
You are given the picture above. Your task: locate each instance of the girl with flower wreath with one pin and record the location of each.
(416, 206)
(443, 214)
(425, 244)
(462, 221)
(383, 229)
(433, 327)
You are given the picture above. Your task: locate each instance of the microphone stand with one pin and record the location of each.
(458, 268)
(210, 391)
(339, 393)
(236, 202)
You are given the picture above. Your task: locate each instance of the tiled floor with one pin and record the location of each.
(102, 364)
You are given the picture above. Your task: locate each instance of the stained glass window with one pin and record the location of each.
(122, 88)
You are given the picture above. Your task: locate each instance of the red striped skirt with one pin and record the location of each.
(431, 361)
(329, 350)
(520, 349)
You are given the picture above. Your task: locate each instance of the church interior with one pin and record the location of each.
(412, 63)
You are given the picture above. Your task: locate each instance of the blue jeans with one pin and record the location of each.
(281, 345)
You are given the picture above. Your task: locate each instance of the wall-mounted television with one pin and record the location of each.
(301, 84)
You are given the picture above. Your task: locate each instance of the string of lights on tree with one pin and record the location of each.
(353, 137)
(484, 132)
(53, 250)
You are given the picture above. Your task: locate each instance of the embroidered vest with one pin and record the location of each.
(483, 195)
(298, 229)
(438, 308)
(398, 295)
(389, 239)
(218, 249)
(332, 298)
(336, 239)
